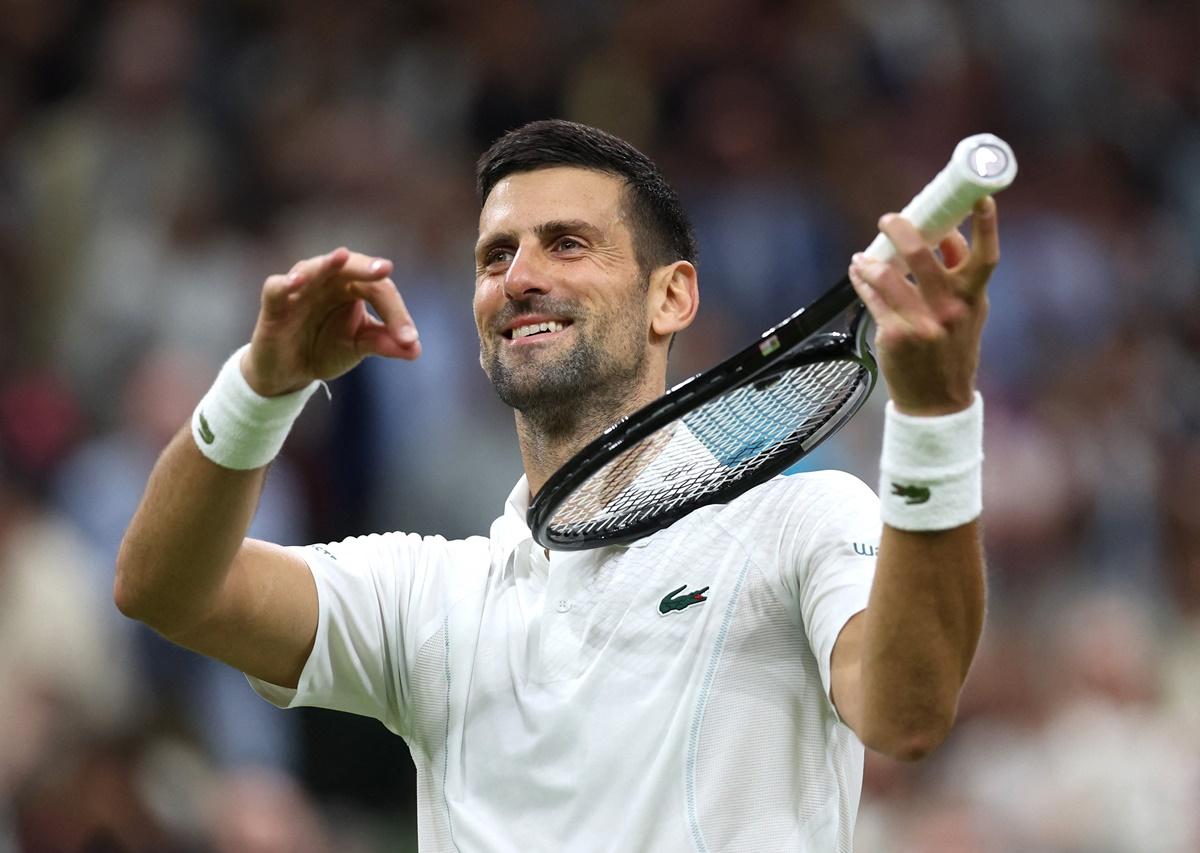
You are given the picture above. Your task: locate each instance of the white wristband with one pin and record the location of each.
(931, 469)
(236, 427)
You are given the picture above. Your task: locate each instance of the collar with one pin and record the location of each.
(514, 530)
(511, 536)
(510, 529)
(516, 506)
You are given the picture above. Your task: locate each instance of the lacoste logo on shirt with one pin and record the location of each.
(206, 433)
(674, 601)
(911, 494)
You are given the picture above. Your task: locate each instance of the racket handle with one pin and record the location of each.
(981, 165)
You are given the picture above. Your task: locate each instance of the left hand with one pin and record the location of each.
(928, 333)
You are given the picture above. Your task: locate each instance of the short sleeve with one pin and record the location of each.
(376, 594)
(828, 557)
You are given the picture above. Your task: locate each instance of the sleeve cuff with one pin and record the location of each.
(825, 657)
(280, 697)
(288, 697)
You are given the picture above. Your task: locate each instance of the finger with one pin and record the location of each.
(377, 340)
(318, 268)
(364, 268)
(884, 314)
(888, 284)
(389, 305)
(275, 292)
(985, 242)
(910, 245)
(954, 250)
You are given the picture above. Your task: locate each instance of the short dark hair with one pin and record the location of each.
(662, 233)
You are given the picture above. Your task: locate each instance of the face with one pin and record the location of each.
(560, 301)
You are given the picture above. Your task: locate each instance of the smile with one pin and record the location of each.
(532, 329)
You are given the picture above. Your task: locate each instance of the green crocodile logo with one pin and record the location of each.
(674, 601)
(206, 433)
(911, 494)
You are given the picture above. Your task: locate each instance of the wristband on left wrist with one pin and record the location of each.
(931, 469)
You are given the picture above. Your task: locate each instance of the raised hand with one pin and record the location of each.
(928, 333)
(313, 322)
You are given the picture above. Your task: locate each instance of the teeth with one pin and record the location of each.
(535, 328)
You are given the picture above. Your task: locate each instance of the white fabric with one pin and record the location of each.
(931, 469)
(550, 706)
(238, 428)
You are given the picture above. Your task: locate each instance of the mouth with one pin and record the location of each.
(529, 332)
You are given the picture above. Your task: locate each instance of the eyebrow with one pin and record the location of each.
(544, 231)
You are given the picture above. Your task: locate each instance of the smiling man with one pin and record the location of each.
(575, 310)
(709, 687)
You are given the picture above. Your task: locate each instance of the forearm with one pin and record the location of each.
(901, 663)
(184, 536)
(921, 629)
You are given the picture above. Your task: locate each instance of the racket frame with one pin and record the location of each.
(980, 165)
(793, 343)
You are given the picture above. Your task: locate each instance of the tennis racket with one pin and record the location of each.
(724, 431)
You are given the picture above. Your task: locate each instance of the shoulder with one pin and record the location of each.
(418, 576)
(397, 551)
(809, 493)
(791, 518)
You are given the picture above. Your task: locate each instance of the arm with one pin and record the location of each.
(185, 567)
(898, 666)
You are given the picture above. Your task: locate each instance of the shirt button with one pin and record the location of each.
(564, 604)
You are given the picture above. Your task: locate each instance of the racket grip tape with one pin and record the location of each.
(981, 165)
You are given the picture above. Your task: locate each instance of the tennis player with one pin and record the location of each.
(709, 687)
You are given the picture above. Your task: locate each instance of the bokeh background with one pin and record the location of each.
(159, 159)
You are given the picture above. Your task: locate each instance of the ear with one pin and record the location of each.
(675, 297)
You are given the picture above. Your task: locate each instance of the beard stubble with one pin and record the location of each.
(587, 386)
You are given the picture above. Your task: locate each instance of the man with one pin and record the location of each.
(708, 687)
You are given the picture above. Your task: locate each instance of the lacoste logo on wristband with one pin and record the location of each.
(206, 433)
(911, 494)
(674, 601)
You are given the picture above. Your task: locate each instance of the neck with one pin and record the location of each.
(549, 438)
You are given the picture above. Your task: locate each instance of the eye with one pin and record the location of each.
(497, 255)
(568, 244)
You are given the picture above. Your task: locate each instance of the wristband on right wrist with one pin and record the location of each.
(238, 428)
(931, 469)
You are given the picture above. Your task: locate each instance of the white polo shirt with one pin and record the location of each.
(669, 695)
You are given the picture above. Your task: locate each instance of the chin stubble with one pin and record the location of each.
(587, 386)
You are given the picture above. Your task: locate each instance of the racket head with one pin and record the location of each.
(710, 438)
(981, 165)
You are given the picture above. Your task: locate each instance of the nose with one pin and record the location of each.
(526, 275)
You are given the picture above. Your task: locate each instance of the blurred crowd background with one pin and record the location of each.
(159, 159)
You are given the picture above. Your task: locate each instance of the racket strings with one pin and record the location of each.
(723, 441)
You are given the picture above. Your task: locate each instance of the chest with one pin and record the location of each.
(607, 656)
(614, 615)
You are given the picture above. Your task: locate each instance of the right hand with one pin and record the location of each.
(314, 323)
